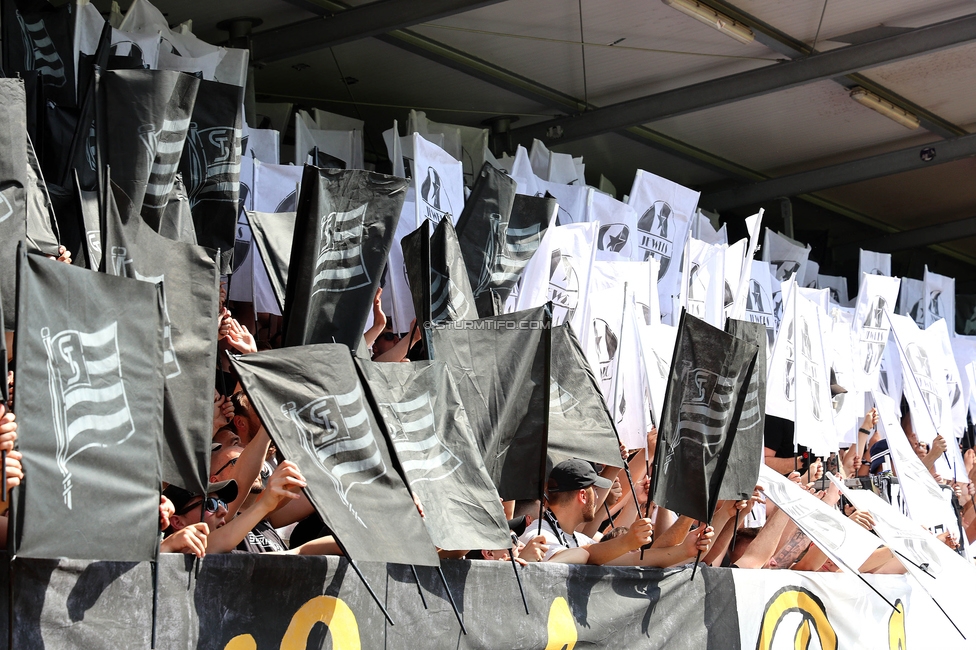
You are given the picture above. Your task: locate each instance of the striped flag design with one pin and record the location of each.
(422, 454)
(335, 431)
(447, 301)
(520, 244)
(560, 399)
(39, 51)
(88, 398)
(340, 266)
(706, 405)
(164, 148)
(215, 163)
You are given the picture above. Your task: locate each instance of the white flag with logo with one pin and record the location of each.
(923, 376)
(848, 407)
(759, 301)
(874, 301)
(617, 237)
(940, 298)
(560, 271)
(703, 285)
(837, 286)
(742, 291)
(927, 505)
(954, 417)
(873, 263)
(814, 412)
(396, 299)
(664, 210)
(911, 300)
(276, 187)
(438, 181)
(842, 540)
(787, 257)
(781, 379)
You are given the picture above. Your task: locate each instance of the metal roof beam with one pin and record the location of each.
(752, 83)
(854, 171)
(924, 236)
(350, 25)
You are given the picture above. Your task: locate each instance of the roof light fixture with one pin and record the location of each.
(707, 15)
(886, 108)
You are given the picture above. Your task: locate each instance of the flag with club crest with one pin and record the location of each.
(438, 279)
(923, 377)
(271, 234)
(911, 300)
(873, 263)
(420, 408)
(781, 378)
(190, 293)
(481, 225)
(848, 407)
(786, 257)
(701, 407)
(560, 273)
(501, 365)
(276, 187)
(142, 141)
(746, 448)
(211, 166)
(837, 286)
(580, 425)
(814, 421)
(665, 210)
(89, 412)
(954, 414)
(703, 285)
(617, 237)
(875, 298)
(438, 180)
(318, 413)
(940, 297)
(470, 144)
(344, 229)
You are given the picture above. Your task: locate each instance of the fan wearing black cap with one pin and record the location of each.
(188, 531)
(571, 500)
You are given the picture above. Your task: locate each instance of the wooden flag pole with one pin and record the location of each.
(450, 597)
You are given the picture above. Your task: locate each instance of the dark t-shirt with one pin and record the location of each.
(263, 538)
(778, 436)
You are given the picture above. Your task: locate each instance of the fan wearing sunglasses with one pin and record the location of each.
(196, 517)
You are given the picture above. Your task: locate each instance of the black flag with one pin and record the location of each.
(480, 227)
(312, 403)
(211, 166)
(37, 38)
(90, 413)
(501, 368)
(176, 220)
(344, 228)
(272, 233)
(517, 242)
(143, 118)
(708, 372)
(746, 453)
(436, 273)
(190, 304)
(430, 434)
(91, 237)
(580, 425)
(13, 189)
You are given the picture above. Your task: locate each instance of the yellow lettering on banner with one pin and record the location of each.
(897, 639)
(242, 642)
(329, 611)
(798, 600)
(562, 626)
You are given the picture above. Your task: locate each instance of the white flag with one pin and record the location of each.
(617, 237)
(923, 496)
(665, 210)
(657, 345)
(911, 300)
(837, 286)
(438, 181)
(754, 225)
(786, 257)
(847, 406)
(814, 412)
(953, 418)
(703, 285)
(873, 264)
(466, 143)
(781, 379)
(874, 300)
(940, 298)
(276, 187)
(923, 376)
(759, 301)
(842, 540)
(396, 298)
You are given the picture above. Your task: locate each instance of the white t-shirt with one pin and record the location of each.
(553, 539)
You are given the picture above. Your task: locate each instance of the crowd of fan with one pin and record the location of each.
(592, 514)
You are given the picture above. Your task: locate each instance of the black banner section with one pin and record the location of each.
(190, 310)
(312, 403)
(701, 405)
(90, 413)
(344, 228)
(745, 455)
(13, 189)
(272, 233)
(42, 226)
(501, 368)
(425, 421)
(37, 40)
(580, 425)
(211, 166)
(143, 118)
(435, 270)
(481, 226)
(237, 601)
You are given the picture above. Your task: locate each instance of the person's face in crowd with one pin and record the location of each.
(385, 341)
(227, 438)
(214, 513)
(223, 464)
(501, 554)
(589, 508)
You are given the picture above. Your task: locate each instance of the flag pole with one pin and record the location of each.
(613, 412)
(154, 567)
(924, 569)
(518, 579)
(419, 589)
(735, 531)
(450, 597)
(544, 457)
(362, 578)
